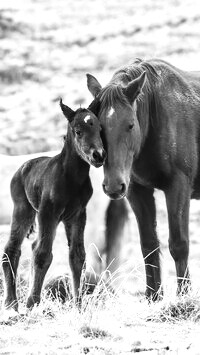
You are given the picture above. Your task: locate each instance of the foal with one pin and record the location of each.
(57, 189)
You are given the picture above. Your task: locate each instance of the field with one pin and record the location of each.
(46, 49)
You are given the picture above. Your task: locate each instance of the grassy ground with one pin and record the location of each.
(120, 323)
(109, 326)
(46, 49)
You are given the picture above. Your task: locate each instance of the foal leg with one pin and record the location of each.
(178, 203)
(143, 204)
(42, 254)
(22, 221)
(75, 235)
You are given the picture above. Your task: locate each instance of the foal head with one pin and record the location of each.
(85, 128)
(120, 131)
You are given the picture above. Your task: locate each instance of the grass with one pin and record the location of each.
(107, 323)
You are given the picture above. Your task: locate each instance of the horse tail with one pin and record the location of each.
(31, 230)
(116, 219)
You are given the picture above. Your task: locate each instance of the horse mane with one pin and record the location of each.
(111, 95)
(147, 101)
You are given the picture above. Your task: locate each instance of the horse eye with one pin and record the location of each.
(131, 126)
(78, 132)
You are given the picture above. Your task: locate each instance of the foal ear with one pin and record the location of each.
(67, 111)
(93, 85)
(134, 87)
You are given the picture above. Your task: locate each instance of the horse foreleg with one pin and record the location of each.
(75, 235)
(42, 254)
(22, 221)
(178, 202)
(143, 204)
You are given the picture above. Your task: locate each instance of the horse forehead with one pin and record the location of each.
(112, 118)
(109, 117)
(89, 118)
(110, 111)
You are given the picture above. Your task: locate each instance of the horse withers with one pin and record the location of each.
(57, 189)
(150, 115)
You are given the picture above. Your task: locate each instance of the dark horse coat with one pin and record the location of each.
(58, 190)
(150, 118)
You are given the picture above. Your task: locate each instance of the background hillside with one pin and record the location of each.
(47, 47)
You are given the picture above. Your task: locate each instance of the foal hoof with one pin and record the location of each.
(9, 315)
(32, 301)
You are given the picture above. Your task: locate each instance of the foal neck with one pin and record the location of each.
(74, 166)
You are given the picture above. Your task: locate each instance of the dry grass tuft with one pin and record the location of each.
(92, 332)
(182, 308)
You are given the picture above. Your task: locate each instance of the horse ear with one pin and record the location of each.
(134, 87)
(93, 85)
(67, 111)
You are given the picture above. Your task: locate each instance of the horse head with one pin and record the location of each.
(85, 128)
(120, 131)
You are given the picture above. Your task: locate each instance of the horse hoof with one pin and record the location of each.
(154, 296)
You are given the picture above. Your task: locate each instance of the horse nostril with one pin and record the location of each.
(104, 188)
(99, 156)
(96, 155)
(123, 188)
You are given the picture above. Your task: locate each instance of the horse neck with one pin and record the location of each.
(74, 166)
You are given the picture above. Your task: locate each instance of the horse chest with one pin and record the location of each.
(149, 176)
(140, 179)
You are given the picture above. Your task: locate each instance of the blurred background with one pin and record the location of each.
(47, 47)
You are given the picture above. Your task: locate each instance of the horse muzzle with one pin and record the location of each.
(116, 192)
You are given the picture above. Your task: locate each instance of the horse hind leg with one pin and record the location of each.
(42, 253)
(75, 235)
(116, 218)
(21, 225)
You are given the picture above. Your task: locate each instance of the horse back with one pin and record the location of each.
(29, 181)
(173, 140)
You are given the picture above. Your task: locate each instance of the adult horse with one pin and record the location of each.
(150, 116)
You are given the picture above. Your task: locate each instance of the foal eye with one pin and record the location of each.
(131, 126)
(78, 132)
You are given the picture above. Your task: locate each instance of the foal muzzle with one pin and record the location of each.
(98, 157)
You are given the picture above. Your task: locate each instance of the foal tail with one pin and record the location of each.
(116, 218)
